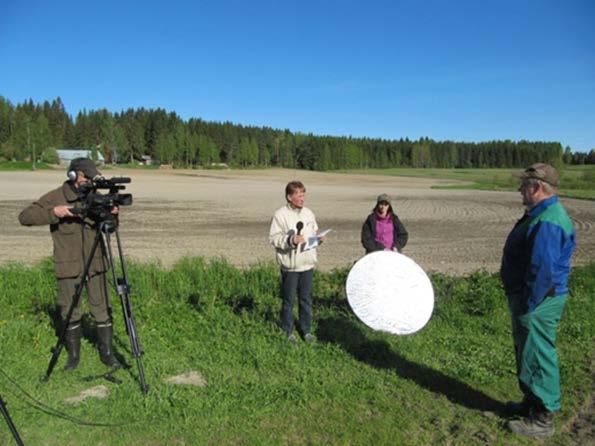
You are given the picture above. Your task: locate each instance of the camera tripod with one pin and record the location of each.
(11, 426)
(105, 228)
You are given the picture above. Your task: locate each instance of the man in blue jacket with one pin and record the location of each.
(534, 271)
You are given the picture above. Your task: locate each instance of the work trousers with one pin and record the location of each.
(98, 297)
(300, 283)
(534, 336)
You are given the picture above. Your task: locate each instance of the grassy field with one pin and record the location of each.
(444, 385)
(575, 182)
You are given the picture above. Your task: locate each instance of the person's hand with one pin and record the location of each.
(321, 239)
(115, 210)
(62, 211)
(298, 239)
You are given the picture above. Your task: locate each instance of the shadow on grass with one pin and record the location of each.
(349, 336)
(89, 331)
(240, 304)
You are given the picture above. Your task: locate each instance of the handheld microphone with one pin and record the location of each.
(299, 225)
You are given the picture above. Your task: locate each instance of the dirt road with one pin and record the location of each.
(227, 213)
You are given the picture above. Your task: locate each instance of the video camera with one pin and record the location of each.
(98, 206)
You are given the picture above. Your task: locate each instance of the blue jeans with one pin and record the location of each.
(300, 282)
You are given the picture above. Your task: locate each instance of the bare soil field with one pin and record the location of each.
(227, 214)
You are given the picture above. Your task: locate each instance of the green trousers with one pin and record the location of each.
(534, 336)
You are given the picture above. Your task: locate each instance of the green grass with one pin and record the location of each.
(443, 385)
(575, 182)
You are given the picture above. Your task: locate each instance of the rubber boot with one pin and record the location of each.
(106, 350)
(537, 424)
(72, 341)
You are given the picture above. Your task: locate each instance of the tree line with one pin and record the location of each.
(29, 130)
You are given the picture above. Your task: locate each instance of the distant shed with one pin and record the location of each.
(67, 155)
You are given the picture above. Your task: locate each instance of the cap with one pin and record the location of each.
(543, 172)
(86, 166)
(383, 198)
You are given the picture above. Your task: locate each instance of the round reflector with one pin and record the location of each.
(389, 292)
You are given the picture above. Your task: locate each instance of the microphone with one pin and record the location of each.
(299, 225)
(121, 180)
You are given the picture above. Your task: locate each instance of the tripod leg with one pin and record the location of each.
(9, 422)
(123, 289)
(134, 342)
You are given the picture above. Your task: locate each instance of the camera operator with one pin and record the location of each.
(73, 236)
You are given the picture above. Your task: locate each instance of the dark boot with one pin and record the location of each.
(520, 409)
(537, 424)
(106, 350)
(72, 342)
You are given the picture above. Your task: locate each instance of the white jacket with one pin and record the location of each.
(283, 227)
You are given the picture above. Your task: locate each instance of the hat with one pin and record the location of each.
(86, 166)
(383, 198)
(543, 172)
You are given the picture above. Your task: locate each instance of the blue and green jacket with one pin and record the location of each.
(537, 254)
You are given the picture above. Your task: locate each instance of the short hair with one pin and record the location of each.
(547, 187)
(292, 186)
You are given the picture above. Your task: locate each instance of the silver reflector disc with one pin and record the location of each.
(389, 292)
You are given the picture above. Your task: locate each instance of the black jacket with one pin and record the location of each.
(369, 242)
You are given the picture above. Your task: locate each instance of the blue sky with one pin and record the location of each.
(458, 70)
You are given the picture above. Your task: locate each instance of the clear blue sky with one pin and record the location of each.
(468, 70)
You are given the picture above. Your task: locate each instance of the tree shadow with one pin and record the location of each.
(379, 354)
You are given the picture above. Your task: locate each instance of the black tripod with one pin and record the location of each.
(11, 426)
(121, 287)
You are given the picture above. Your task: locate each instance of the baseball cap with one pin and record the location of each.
(383, 198)
(86, 166)
(543, 172)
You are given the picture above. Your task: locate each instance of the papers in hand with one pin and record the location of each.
(314, 241)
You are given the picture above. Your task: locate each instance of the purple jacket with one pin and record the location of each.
(368, 237)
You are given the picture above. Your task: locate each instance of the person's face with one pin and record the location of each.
(383, 208)
(529, 193)
(80, 179)
(297, 198)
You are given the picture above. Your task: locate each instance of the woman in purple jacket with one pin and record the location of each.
(383, 230)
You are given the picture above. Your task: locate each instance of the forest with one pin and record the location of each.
(35, 131)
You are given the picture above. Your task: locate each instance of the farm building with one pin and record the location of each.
(67, 155)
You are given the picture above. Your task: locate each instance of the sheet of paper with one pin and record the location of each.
(314, 241)
(323, 233)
